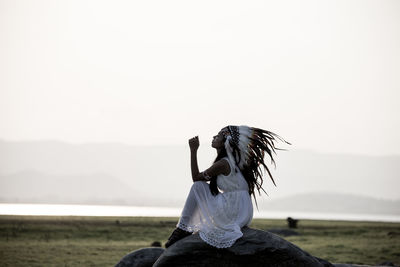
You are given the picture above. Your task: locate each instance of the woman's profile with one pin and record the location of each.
(219, 202)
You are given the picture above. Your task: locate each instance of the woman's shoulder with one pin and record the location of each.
(225, 162)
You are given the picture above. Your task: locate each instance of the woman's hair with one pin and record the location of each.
(250, 174)
(252, 170)
(213, 181)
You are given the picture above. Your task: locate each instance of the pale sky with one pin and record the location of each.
(325, 75)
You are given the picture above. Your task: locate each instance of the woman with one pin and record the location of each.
(220, 209)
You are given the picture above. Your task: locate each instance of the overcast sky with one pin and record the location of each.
(323, 74)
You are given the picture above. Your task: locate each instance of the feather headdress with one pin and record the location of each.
(246, 147)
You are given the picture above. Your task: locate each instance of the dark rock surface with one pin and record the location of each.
(387, 263)
(156, 244)
(347, 265)
(255, 248)
(144, 257)
(292, 223)
(355, 265)
(283, 232)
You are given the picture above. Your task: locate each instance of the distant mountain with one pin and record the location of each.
(153, 171)
(35, 186)
(112, 173)
(32, 186)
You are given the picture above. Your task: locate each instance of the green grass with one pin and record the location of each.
(103, 241)
(346, 242)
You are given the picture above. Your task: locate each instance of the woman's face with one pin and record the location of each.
(219, 139)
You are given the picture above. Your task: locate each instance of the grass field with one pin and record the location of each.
(103, 241)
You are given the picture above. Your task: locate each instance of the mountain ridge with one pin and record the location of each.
(161, 174)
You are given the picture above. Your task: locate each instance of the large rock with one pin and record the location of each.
(356, 265)
(144, 257)
(255, 248)
(283, 232)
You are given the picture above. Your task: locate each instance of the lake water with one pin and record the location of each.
(104, 210)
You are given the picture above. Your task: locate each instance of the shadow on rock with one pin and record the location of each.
(255, 248)
(144, 257)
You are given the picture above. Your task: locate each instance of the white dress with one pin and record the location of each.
(218, 219)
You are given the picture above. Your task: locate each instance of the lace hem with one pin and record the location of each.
(217, 244)
(206, 238)
(188, 228)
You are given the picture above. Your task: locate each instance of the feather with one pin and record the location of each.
(247, 147)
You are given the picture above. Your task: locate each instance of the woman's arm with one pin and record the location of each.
(194, 146)
(219, 167)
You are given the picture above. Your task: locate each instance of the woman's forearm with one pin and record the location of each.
(193, 164)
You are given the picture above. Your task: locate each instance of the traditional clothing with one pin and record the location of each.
(218, 219)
